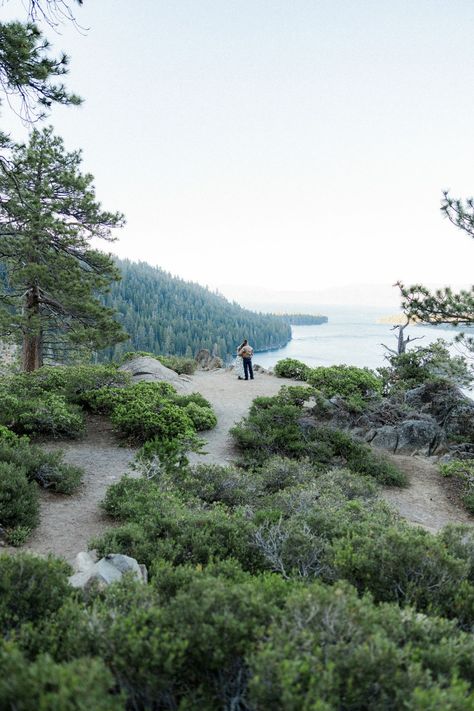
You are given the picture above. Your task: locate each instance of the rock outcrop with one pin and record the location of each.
(435, 418)
(151, 370)
(106, 571)
(206, 361)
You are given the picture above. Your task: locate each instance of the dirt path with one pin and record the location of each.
(425, 501)
(231, 399)
(69, 522)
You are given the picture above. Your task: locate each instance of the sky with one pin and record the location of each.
(276, 145)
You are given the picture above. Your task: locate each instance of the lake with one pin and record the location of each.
(352, 336)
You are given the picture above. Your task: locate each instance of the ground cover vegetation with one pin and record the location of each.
(54, 402)
(287, 586)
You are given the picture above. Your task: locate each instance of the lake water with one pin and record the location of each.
(352, 336)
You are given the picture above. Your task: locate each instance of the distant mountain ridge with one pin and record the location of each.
(166, 315)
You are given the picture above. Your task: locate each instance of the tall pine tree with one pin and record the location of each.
(53, 276)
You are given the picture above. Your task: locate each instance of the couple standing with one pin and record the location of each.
(243, 362)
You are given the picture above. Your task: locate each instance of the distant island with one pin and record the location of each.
(303, 319)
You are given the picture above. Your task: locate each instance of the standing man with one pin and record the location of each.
(246, 352)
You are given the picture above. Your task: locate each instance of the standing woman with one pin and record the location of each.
(239, 363)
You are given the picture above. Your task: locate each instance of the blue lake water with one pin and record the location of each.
(352, 336)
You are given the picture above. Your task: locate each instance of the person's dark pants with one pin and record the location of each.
(248, 370)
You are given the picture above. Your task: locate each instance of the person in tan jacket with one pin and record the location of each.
(246, 352)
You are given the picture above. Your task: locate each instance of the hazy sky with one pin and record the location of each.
(282, 144)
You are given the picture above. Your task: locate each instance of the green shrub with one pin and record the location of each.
(81, 685)
(9, 437)
(423, 364)
(164, 527)
(48, 414)
(275, 427)
(181, 365)
(19, 505)
(401, 564)
(196, 398)
(291, 368)
(463, 469)
(202, 417)
(140, 421)
(31, 589)
(46, 468)
(355, 385)
(213, 482)
(331, 649)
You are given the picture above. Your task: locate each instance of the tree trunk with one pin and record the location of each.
(32, 337)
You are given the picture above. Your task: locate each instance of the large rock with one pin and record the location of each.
(206, 361)
(107, 570)
(151, 370)
(452, 410)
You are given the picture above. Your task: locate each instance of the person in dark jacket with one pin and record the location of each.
(246, 352)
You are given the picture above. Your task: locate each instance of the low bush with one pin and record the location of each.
(463, 470)
(331, 649)
(19, 504)
(420, 365)
(44, 684)
(203, 418)
(356, 385)
(291, 368)
(46, 468)
(31, 589)
(276, 427)
(49, 414)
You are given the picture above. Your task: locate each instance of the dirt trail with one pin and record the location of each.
(69, 522)
(231, 399)
(425, 501)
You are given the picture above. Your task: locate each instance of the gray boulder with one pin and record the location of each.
(207, 361)
(385, 437)
(106, 571)
(419, 436)
(151, 370)
(447, 404)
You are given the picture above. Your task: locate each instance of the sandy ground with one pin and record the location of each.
(425, 501)
(69, 522)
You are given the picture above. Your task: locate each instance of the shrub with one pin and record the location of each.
(48, 414)
(356, 385)
(43, 684)
(291, 368)
(275, 427)
(330, 649)
(19, 505)
(400, 564)
(46, 468)
(181, 365)
(202, 417)
(423, 364)
(463, 470)
(31, 589)
(213, 482)
(140, 421)
(164, 527)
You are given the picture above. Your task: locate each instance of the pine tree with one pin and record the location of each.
(48, 215)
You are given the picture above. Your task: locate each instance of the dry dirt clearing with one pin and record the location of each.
(69, 522)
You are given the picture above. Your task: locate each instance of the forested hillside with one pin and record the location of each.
(167, 315)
